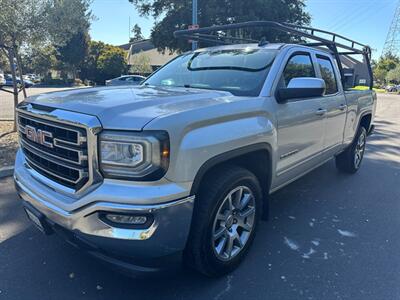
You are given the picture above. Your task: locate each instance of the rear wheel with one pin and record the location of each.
(350, 160)
(225, 220)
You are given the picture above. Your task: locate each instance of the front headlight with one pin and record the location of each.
(134, 155)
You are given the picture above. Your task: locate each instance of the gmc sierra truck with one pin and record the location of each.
(180, 167)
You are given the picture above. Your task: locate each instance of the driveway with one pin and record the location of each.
(330, 236)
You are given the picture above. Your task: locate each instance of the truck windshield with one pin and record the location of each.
(239, 71)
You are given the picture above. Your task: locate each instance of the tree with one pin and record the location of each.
(112, 63)
(3, 62)
(25, 22)
(103, 62)
(39, 59)
(137, 34)
(177, 14)
(73, 53)
(66, 18)
(141, 64)
(89, 69)
(21, 22)
(394, 75)
(385, 64)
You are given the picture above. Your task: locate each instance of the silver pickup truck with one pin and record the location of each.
(181, 167)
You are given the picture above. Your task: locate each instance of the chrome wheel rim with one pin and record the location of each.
(233, 223)
(359, 151)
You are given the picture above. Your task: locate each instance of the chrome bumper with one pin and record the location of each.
(167, 234)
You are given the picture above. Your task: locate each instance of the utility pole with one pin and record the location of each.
(129, 34)
(194, 21)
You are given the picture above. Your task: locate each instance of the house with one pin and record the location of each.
(355, 72)
(145, 49)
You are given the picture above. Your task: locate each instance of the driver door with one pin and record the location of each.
(300, 122)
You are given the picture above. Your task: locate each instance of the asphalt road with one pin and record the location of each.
(7, 99)
(331, 236)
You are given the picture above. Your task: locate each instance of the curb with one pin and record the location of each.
(6, 171)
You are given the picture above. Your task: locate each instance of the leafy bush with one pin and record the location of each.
(103, 62)
(51, 81)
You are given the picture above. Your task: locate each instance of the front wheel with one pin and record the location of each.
(350, 160)
(225, 220)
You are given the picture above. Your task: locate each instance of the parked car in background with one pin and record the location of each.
(392, 88)
(9, 81)
(2, 80)
(126, 80)
(31, 77)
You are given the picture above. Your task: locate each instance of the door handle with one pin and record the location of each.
(321, 112)
(342, 106)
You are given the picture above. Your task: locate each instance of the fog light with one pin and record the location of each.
(126, 219)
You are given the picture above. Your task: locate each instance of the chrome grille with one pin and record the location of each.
(62, 157)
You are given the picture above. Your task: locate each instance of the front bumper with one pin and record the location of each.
(164, 237)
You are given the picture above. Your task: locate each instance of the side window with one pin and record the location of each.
(299, 65)
(328, 74)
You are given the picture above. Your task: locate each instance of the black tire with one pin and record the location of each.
(200, 253)
(346, 161)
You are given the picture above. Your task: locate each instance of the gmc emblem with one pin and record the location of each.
(38, 136)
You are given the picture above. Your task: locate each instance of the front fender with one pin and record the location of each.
(223, 141)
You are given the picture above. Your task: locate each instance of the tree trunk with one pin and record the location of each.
(19, 65)
(11, 56)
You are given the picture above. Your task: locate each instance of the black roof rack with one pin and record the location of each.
(318, 37)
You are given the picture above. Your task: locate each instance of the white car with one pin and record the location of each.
(2, 80)
(392, 88)
(126, 80)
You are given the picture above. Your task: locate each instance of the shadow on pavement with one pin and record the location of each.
(322, 236)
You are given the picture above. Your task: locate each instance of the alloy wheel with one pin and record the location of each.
(233, 223)
(359, 150)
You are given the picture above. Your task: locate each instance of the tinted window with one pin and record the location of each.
(239, 71)
(299, 65)
(328, 74)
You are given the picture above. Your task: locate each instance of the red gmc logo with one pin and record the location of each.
(38, 136)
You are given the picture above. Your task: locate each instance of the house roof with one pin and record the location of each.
(147, 48)
(143, 45)
(138, 46)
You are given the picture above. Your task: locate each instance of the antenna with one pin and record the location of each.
(392, 44)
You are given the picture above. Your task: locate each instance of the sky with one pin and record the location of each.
(366, 21)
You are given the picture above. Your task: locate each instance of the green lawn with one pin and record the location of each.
(364, 88)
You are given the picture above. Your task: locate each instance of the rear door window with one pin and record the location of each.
(328, 74)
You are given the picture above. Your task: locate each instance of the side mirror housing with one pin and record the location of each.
(302, 87)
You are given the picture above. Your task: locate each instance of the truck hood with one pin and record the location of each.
(129, 108)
